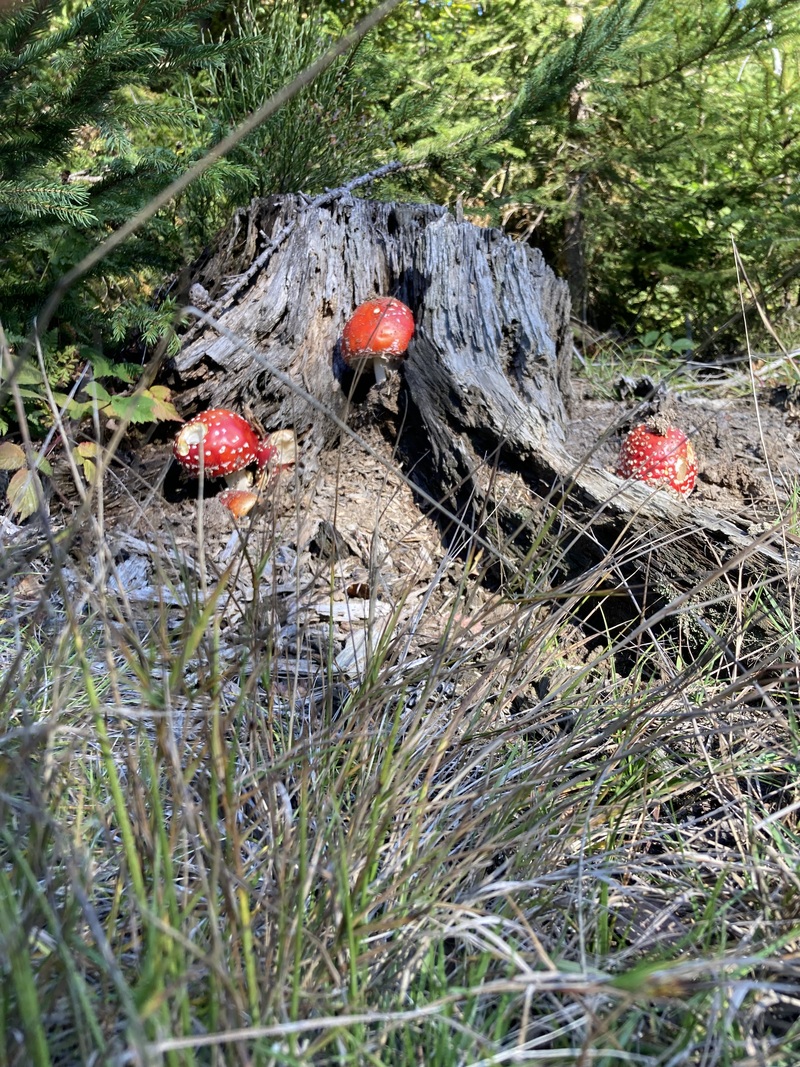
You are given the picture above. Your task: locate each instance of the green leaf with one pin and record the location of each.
(29, 374)
(134, 408)
(102, 367)
(77, 409)
(127, 372)
(105, 368)
(100, 394)
(163, 408)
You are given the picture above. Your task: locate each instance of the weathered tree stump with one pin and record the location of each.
(483, 403)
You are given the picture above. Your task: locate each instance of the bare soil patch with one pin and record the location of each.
(748, 447)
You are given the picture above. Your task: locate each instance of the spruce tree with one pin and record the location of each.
(90, 131)
(629, 140)
(105, 101)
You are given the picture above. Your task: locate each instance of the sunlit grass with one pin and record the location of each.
(517, 831)
(605, 360)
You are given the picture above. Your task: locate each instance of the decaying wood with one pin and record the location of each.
(483, 401)
(490, 307)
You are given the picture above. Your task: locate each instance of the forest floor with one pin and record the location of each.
(340, 549)
(351, 545)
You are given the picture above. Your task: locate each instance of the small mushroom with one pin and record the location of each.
(283, 449)
(659, 454)
(227, 442)
(240, 502)
(264, 452)
(378, 331)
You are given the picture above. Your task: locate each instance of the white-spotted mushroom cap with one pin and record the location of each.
(662, 455)
(379, 330)
(228, 441)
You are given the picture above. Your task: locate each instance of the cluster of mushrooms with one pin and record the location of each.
(221, 444)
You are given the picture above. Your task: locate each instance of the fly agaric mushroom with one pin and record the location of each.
(378, 331)
(228, 444)
(282, 449)
(660, 454)
(265, 451)
(239, 502)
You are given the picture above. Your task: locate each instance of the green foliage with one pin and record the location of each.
(89, 135)
(598, 47)
(661, 162)
(323, 135)
(75, 363)
(676, 161)
(59, 365)
(629, 140)
(147, 405)
(101, 116)
(106, 102)
(35, 385)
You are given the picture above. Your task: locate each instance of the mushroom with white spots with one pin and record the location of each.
(223, 442)
(659, 454)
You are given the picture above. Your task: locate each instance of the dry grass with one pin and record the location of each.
(496, 841)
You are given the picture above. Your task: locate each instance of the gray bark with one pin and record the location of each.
(492, 319)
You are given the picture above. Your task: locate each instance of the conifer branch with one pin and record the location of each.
(304, 78)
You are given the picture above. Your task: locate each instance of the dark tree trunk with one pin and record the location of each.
(483, 400)
(574, 246)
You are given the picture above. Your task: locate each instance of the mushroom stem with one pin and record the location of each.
(379, 366)
(239, 479)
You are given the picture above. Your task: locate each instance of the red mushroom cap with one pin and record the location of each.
(265, 452)
(238, 501)
(662, 455)
(380, 327)
(228, 441)
(277, 450)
